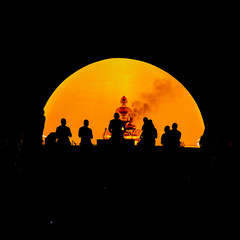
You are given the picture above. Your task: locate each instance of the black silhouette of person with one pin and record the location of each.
(50, 140)
(34, 131)
(150, 134)
(175, 137)
(145, 121)
(85, 133)
(63, 133)
(116, 128)
(208, 139)
(144, 127)
(165, 139)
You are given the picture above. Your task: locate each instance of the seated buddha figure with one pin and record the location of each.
(126, 114)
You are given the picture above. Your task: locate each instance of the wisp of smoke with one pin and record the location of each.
(140, 109)
(162, 91)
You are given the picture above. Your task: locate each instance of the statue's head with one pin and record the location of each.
(123, 100)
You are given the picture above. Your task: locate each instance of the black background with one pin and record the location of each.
(42, 44)
(197, 45)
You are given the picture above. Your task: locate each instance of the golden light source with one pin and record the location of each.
(94, 93)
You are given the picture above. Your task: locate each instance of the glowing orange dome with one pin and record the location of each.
(94, 92)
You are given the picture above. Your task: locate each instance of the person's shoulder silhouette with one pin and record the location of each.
(165, 139)
(149, 134)
(153, 129)
(176, 132)
(63, 133)
(50, 140)
(150, 130)
(175, 136)
(144, 126)
(116, 127)
(85, 133)
(209, 137)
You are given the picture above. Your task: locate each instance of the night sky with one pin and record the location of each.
(199, 48)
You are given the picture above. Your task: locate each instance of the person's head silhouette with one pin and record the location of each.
(63, 121)
(166, 129)
(86, 123)
(116, 115)
(174, 126)
(145, 119)
(150, 122)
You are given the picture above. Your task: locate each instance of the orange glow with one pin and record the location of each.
(94, 93)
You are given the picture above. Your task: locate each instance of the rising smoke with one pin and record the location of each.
(162, 92)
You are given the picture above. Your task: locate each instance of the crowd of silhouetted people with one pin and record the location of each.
(21, 143)
(170, 140)
(211, 140)
(61, 136)
(22, 154)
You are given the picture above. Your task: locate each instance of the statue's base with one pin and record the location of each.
(130, 134)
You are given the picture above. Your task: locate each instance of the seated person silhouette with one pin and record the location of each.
(50, 140)
(116, 128)
(62, 134)
(165, 139)
(175, 137)
(125, 114)
(85, 133)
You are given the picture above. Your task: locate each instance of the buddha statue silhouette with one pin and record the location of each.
(126, 115)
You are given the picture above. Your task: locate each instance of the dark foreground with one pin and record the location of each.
(111, 188)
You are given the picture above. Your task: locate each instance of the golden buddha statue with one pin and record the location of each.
(126, 115)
